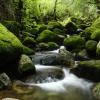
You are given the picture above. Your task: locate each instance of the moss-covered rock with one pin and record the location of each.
(98, 49)
(71, 28)
(96, 91)
(52, 46)
(88, 69)
(82, 55)
(10, 48)
(54, 24)
(74, 43)
(13, 26)
(42, 46)
(26, 65)
(91, 46)
(10, 51)
(29, 42)
(49, 36)
(94, 30)
(59, 31)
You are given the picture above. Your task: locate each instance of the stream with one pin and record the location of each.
(67, 83)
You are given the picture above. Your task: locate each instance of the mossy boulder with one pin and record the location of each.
(94, 30)
(13, 26)
(26, 65)
(49, 36)
(91, 46)
(52, 46)
(59, 31)
(96, 91)
(29, 42)
(54, 24)
(74, 43)
(88, 69)
(10, 51)
(71, 28)
(42, 46)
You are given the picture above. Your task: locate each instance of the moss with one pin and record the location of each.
(52, 46)
(94, 30)
(49, 36)
(74, 43)
(59, 31)
(42, 46)
(13, 26)
(29, 42)
(98, 49)
(91, 46)
(96, 35)
(26, 65)
(52, 25)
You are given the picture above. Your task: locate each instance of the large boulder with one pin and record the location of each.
(88, 69)
(49, 36)
(74, 43)
(53, 24)
(10, 51)
(94, 30)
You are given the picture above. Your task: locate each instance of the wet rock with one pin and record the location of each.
(4, 81)
(46, 75)
(82, 55)
(74, 43)
(50, 58)
(21, 88)
(26, 65)
(96, 91)
(88, 69)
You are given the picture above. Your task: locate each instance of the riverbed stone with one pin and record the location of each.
(26, 65)
(74, 43)
(91, 47)
(88, 69)
(50, 58)
(49, 36)
(96, 91)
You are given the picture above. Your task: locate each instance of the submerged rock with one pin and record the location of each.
(4, 81)
(50, 58)
(88, 69)
(96, 91)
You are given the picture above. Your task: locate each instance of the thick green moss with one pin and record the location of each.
(91, 47)
(98, 49)
(52, 46)
(29, 42)
(49, 36)
(52, 25)
(13, 26)
(94, 30)
(74, 43)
